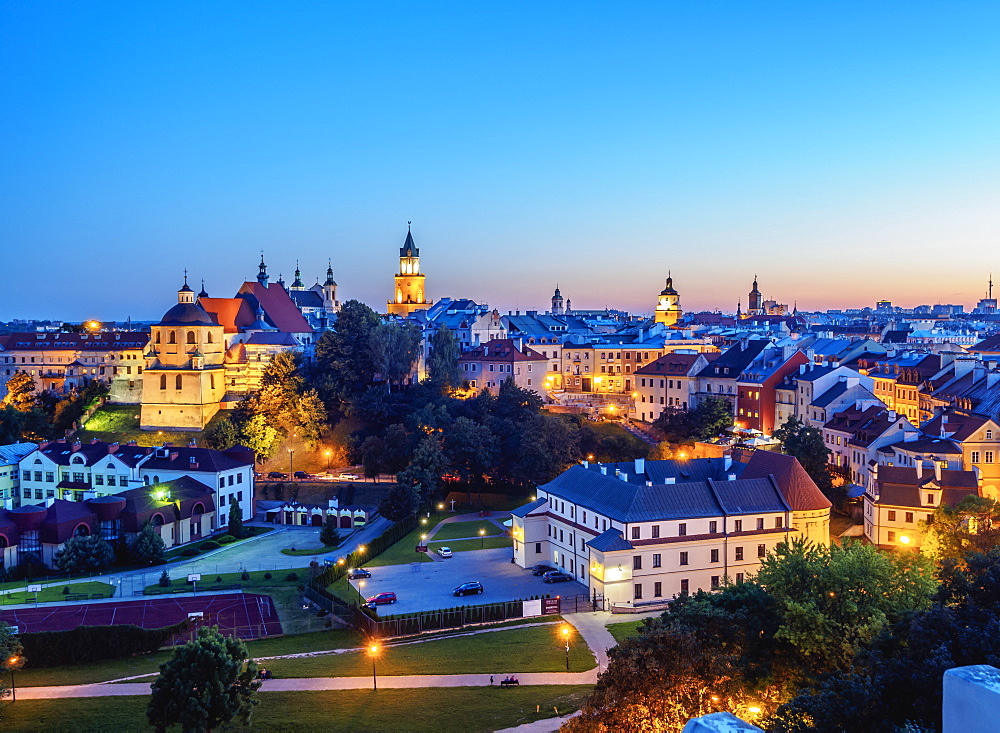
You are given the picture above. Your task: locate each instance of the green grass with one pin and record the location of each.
(402, 551)
(121, 423)
(309, 552)
(458, 530)
(55, 593)
(256, 580)
(625, 629)
(418, 710)
(487, 543)
(177, 553)
(534, 649)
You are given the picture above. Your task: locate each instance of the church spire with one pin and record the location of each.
(262, 270)
(203, 293)
(297, 283)
(329, 274)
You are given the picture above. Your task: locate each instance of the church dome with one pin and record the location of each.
(185, 314)
(669, 290)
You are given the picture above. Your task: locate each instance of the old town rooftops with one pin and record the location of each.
(105, 341)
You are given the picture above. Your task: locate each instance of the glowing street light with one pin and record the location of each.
(373, 650)
(329, 459)
(482, 539)
(565, 632)
(904, 539)
(12, 664)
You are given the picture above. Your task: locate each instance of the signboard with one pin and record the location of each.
(550, 605)
(34, 589)
(421, 548)
(196, 614)
(531, 608)
(194, 577)
(14, 629)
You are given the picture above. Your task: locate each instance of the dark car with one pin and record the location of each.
(276, 474)
(556, 576)
(540, 569)
(300, 475)
(469, 589)
(381, 599)
(358, 573)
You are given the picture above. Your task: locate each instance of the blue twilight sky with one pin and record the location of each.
(844, 151)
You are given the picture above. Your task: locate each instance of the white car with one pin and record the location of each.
(348, 477)
(444, 552)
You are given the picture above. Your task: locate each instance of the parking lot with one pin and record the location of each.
(428, 586)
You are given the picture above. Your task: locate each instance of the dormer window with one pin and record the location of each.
(989, 435)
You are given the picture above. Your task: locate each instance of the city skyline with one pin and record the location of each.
(844, 155)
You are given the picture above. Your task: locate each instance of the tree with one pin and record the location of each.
(221, 434)
(401, 502)
(972, 525)
(829, 606)
(710, 418)
(261, 437)
(372, 455)
(471, 449)
(662, 451)
(397, 449)
(13, 423)
(807, 445)
(84, 554)
(20, 392)
(393, 349)
(209, 682)
(311, 417)
(425, 469)
(342, 365)
(442, 363)
(148, 547)
(329, 535)
(10, 649)
(235, 519)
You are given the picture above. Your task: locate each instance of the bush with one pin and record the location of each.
(300, 588)
(225, 539)
(91, 643)
(267, 576)
(66, 590)
(292, 576)
(190, 552)
(210, 545)
(218, 578)
(164, 579)
(244, 575)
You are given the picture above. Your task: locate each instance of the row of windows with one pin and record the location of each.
(178, 382)
(237, 478)
(685, 586)
(191, 338)
(713, 527)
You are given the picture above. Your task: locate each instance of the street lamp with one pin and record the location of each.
(329, 459)
(482, 539)
(373, 650)
(565, 635)
(291, 455)
(12, 665)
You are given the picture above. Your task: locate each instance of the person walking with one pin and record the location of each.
(491, 680)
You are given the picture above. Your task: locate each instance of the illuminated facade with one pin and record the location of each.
(409, 291)
(668, 306)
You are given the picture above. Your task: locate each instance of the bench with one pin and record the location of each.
(508, 683)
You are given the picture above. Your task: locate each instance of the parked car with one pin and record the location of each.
(381, 599)
(276, 474)
(469, 589)
(358, 573)
(556, 576)
(444, 551)
(540, 569)
(300, 475)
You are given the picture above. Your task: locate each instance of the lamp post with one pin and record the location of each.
(12, 665)
(482, 539)
(291, 455)
(329, 459)
(565, 634)
(373, 650)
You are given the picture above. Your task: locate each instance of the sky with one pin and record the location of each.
(844, 152)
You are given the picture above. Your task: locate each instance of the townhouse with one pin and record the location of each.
(642, 532)
(855, 435)
(756, 385)
(667, 382)
(491, 364)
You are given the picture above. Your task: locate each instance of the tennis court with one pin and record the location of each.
(245, 615)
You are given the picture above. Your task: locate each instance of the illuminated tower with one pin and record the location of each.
(755, 301)
(668, 307)
(557, 303)
(409, 282)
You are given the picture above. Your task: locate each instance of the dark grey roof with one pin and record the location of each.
(523, 511)
(609, 541)
(306, 298)
(186, 314)
(736, 358)
(830, 395)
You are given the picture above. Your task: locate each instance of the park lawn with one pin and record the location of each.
(453, 708)
(486, 543)
(533, 649)
(278, 579)
(55, 593)
(177, 553)
(625, 629)
(120, 423)
(462, 530)
(149, 664)
(317, 551)
(403, 552)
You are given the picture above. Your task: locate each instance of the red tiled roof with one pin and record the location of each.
(230, 313)
(280, 308)
(106, 341)
(501, 350)
(800, 491)
(672, 365)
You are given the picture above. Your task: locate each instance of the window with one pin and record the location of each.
(892, 515)
(38, 475)
(239, 496)
(989, 435)
(715, 582)
(111, 479)
(222, 500)
(232, 479)
(682, 529)
(740, 577)
(779, 522)
(50, 476)
(656, 531)
(892, 537)
(163, 381)
(561, 536)
(760, 523)
(975, 456)
(239, 478)
(909, 517)
(656, 561)
(930, 498)
(715, 556)
(684, 558)
(172, 338)
(657, 590)
(637, 562)
(739, 553)
(177, 382)
(190, 337)
(761, 550)
(989, 457)
(713, 527)
(738, 525)
(635, 533)
(684, 585)
(222, 482)
(538, 548)
(638, 591)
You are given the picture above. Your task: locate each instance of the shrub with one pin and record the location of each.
(267, 576)
(300, 588)
(225, 539)
(292, 576)
(218, 578)
(210, 545)
(164, 579)
(90, 643)
(190, 552)
(244, 575)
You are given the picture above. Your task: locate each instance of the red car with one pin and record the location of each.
(381, 598)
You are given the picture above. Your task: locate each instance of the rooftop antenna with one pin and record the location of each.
(990, 295)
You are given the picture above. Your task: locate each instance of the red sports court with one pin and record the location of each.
(245, 615)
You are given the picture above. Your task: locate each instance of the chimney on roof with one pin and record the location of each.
(892, 416)
(937, 471)
(640, 465)
(802, 368)
(94, 441)
(670, 480)
(112, 447)
(192, 443)
(43, 445)
(174, 455)
(727, 461)
(76, 446)
(50, 501)
(604, 470)
(585, 463)
(649, 483)
(919, 465)
(731, 477)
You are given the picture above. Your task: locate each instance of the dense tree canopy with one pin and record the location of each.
(709, 419)
(807, 445)
(442, 364)
(84, 554)
(972, 525)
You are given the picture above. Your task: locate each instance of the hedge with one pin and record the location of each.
(93, 643)
(376, 547)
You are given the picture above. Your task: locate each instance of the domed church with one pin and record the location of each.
(184, 377)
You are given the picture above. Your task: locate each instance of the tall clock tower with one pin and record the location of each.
(409, 293)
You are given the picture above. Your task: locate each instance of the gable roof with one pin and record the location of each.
(798, 489)
(279, 308)
(501, 350)
(233, 314)
(672, 365)
(735, 359)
